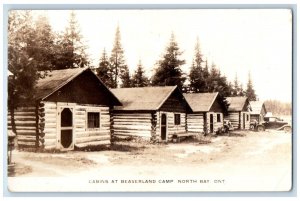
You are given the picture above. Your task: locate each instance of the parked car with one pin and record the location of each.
(271, 123)
(274, 122)
(277, 123)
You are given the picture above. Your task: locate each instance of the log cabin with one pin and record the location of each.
(258, 111)
(71, 109)
(239, 112)
(207, 112)
(153, 113)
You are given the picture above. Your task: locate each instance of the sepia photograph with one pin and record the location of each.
(149, 100)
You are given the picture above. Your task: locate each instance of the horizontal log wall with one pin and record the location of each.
(221, 123)
(40, 128)
(84, 136)
(247, 122)
(132, 124)
(195, 123)
(172, 129)
(233, 117)
(176, 129)
(215, 122)
(26, 126)
(237, 121)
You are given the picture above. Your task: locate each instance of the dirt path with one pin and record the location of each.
(247, 160)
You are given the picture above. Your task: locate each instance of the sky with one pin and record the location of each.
(238, 41)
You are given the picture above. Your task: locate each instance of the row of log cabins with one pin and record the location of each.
(73, 108)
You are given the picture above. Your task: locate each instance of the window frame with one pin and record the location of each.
(87, 120)
(218, 117)
(179, 119)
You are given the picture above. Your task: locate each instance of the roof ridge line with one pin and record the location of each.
(164, 100)
(212, 102)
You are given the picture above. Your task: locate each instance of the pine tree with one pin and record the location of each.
(70, 48)
(21, 52)
(218, 83)
(44, 51)
(198, 55)
(125, 77)
(197, 82)
(241, 90)
(103, 70)
(139, 79)
(230, 89)
(31, 51)
(118, 66)
(213, 78)
(250, 92)
(237, 88)
(169, 72)
(206, 76)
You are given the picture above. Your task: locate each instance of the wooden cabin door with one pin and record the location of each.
(211, 123)
(205, 123)
(66, 128)
(163, 126)
(244, 121)
(240, 121)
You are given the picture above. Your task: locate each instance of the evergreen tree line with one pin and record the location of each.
(35, 49)
(113, 70)
(278, 107)
(168, 72)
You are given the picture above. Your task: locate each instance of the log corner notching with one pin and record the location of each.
(153, 127)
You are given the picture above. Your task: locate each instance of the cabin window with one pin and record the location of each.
(177, 119)
(93, 119)
(218, 117)
(247, 117)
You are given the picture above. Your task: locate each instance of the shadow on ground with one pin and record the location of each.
(232, 134)
(17, 169)
(125, 147)
(236, 135)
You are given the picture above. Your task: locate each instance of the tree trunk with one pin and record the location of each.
(11, 106)
(116, 72)
(12, 119)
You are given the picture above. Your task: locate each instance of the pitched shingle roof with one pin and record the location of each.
(257, 106)
(56, 79)
(143, 98)
(201, 102)
(237, 103)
